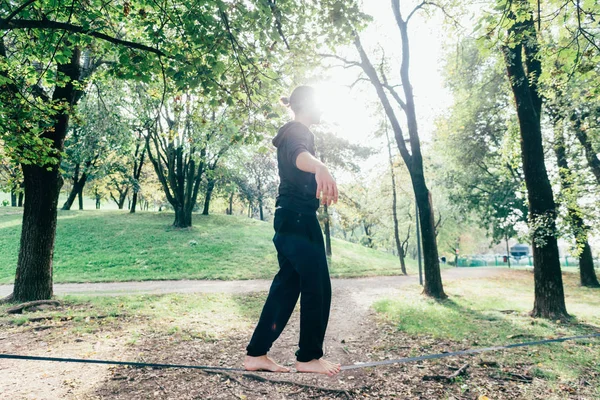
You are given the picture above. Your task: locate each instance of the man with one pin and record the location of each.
(300, 248)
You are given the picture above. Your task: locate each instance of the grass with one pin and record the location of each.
(101, 246)
(200, 316)
(473, 317)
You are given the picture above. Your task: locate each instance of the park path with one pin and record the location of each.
(377, 284)
(350, 325)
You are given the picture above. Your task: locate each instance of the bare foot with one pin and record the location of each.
(319, 366)
(263, 363)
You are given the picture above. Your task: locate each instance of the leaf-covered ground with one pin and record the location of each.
(367, 324)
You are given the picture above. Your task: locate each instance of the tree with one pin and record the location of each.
(139, 155)
(42, 180)
(574, 213)
(477, 150)
(261, 173)
(46, 62)
(523, 49)
(178, 148)
(97, 130)
(11, 180)
(338, 154)
(411, 155)
(400, 245)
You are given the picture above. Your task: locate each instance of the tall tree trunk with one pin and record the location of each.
(431, 262)
(579, 229)
(76, 190)
(230, 209)
(367, 229)
(134, 200)
(549, 293)
(21, 198)
(137, 173)
(209, 190)
(261, 213)
(588, 149)
(13, 198)
(80, 198)
(327, 225)
(183, 219)
(394, 205)
(33, 278)
(122, 198)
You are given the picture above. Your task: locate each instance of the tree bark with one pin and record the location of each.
(399, 249)
(76, 190)
(549, 293)
(80, 198)
(209, 190)
(13, 198)
(590, 155)
(140, 150)
(21, 199)
(33, 279)
(183, 219)
(587, 274)
(134, 200)
(98, 198)
(230, 210)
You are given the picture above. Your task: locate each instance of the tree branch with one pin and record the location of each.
(6, 24)
(18, 10)
(345, 61)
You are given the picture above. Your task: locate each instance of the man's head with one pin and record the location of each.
(304, 104)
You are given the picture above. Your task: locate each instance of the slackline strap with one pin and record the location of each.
(345, 367)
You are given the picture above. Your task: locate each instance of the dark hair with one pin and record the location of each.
(300, 98)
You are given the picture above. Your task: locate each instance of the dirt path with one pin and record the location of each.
(350, 325)
(369, 285)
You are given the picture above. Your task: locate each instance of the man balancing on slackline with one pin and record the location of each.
(299, 242)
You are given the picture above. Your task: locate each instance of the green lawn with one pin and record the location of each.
(96, 246)
(473, 317)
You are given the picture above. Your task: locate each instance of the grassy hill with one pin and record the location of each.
(96, 246)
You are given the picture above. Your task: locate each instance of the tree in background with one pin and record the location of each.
(260, 181)
(411, 155)
(570, 88)
(574, 214)
(11, 180)
(339, 155)
(96, 130)
(478, 158)
(400, 244)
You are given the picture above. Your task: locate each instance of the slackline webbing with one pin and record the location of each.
(345, 367)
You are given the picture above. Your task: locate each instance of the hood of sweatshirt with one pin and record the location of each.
(284, 130)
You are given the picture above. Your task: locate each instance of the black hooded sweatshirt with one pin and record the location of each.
(297, 188)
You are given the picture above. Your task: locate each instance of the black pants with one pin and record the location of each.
(302, 270)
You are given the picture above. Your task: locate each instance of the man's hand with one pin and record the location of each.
(326, 187)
